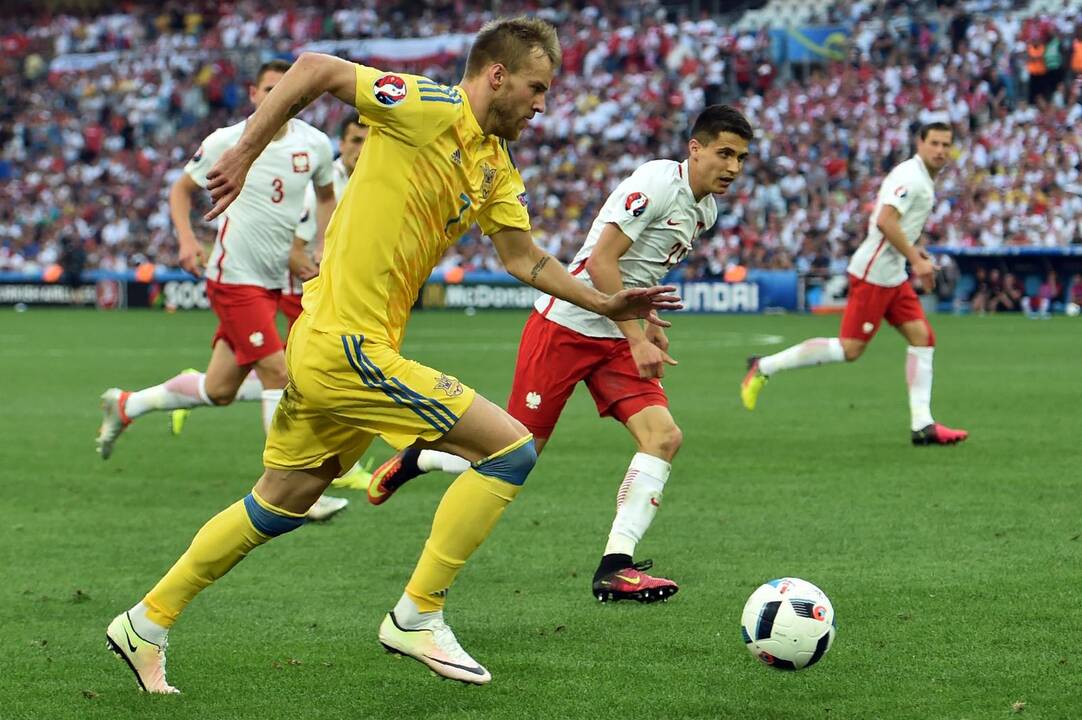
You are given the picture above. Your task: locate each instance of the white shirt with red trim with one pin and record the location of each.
(656, 209)
(910, 189)
(306, 228)
(255, 233)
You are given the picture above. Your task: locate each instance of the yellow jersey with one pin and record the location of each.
(426, 175)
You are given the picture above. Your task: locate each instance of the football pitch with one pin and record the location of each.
(955, 572)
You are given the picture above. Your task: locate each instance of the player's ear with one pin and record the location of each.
(497, 75)
(694, 146)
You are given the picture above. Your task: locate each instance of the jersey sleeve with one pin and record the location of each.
(306, 226)
(208, 153)
(508, 205)
(411, 108)
(899, 191)
(324, 165)
(637, 202)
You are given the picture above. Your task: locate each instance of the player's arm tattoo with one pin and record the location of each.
(301, 104)
(539, 266)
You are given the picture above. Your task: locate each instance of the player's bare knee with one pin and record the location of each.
(220, 395)
(669, 440)
(853, 349)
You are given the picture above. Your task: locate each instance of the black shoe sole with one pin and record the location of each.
(925, 440)
(110, 645)
(643, 596)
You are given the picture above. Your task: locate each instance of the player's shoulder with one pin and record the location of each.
(659, 170)
(659, 180)
(309, 133)
(227, 135)
(911, 169)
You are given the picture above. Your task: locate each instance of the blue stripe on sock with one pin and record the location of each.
(268, 522)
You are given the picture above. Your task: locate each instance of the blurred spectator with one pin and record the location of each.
(1039, 306)
(1074, 290)
(1006, 294)
(982, 292)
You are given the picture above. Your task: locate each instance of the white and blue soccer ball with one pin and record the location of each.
(788, 624)
(1072, 309)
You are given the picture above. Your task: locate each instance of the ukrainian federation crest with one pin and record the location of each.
(450, 385)
(489, 179)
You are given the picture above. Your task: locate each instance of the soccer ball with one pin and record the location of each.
(788, 624)
(1072, 309)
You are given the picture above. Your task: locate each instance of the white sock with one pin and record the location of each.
(410, 616)
(270, 399)
(251, 390)
(429, 460)
(815, 351)
(918, 376)
(145, 627)
(183, 391)
(637, 502)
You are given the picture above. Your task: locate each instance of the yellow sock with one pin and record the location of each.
(466, 515)
(216, 548)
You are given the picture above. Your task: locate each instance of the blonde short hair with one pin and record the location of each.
(510, 41)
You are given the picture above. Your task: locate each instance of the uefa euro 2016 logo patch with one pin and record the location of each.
(389, 90)
(901, 191)
(636, 203)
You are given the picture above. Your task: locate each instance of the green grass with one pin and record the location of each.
(955, 572)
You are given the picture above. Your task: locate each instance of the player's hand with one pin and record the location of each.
(658, 337)
(226, 179)
(644, 303)
(302, 265)
(925, 271)
(191, 257)
(650, 359)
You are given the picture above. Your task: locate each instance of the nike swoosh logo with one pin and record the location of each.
(630, 581)
(127, 637)
(670, 222)
(476, 670)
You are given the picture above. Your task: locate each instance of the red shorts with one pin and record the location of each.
(246, 319)
(552, 360)
(869, 304)
(290, 305)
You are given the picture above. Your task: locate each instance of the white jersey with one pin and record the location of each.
(656, 209)
(910, 189)
(255, 232)
(306, 228)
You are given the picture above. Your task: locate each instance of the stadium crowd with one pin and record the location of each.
(100, 113)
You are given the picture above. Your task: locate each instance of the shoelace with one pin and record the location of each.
(447, 641)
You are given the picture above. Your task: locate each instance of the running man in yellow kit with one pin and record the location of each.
(435, 163)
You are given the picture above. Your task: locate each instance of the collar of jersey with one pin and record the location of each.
(685, 175)
(473, 128)
(923, 168)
